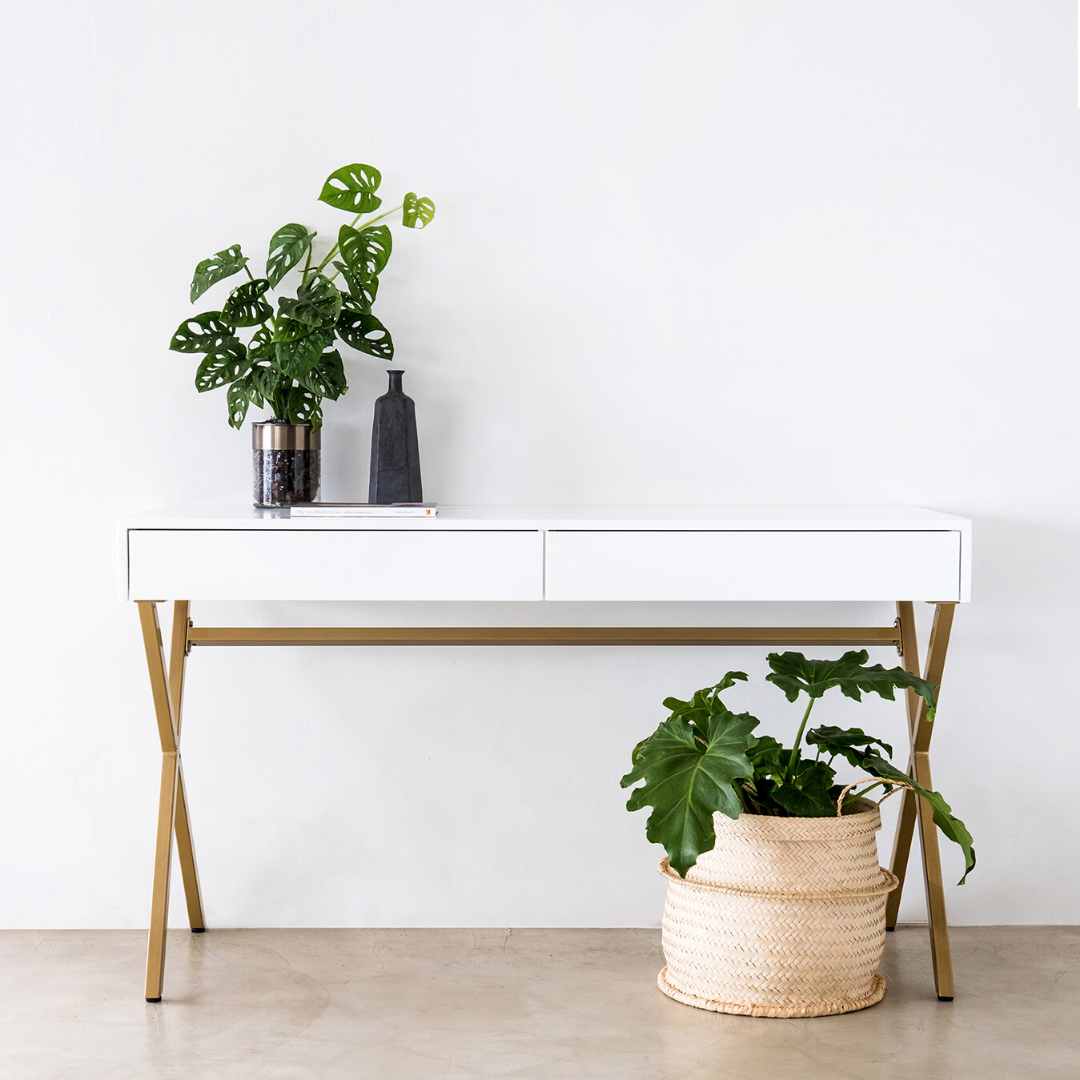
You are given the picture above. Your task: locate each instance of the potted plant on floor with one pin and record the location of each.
(288, 363)
(776, 901)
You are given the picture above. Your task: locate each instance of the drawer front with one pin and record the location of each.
(226, 564)
(813, 565)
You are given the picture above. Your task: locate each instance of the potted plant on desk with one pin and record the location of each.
(288, 364)
(776, 901)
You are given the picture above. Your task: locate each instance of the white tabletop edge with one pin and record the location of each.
(876, 518)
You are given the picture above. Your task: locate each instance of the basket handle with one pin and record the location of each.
(898, 785)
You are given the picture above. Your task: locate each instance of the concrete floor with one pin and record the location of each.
(524, 1003)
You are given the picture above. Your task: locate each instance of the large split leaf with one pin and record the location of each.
(365, 251)
(222, 365)
(834, 740)
(303, 407)
(201, 333)
(287, 247)
(795, 675)
(327, 377)
(296, 358)
(805, 793)
(950, 825)
(362, 291)
(417, 212)
(221, 265)
(705, 702)
(352, 188)
(246, 306)
(317, 303)
(364, 332)
(689, 773)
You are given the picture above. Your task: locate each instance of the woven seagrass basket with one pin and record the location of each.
(784, 917)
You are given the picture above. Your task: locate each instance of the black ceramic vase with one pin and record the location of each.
(395, 452)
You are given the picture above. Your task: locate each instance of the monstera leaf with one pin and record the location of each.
(303, 408)
(221, 365)
(287, 247)
(353, 188)
(327, 377)
(295, 359)
(417, 212)
(202, 333)
(286, 329)
(261, 345)
(317, 303)
(245, 306)
(263, 380)
(795, 675)
(689, 773)
(239, 397)
(362, 291)
(210, 271)
(365, 251)
(364, 332)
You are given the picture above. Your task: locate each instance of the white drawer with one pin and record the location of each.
(237, 564)
(753, 565)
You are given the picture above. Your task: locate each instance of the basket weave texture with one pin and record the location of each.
(784, 917)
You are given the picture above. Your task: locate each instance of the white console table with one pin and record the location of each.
(898, 554)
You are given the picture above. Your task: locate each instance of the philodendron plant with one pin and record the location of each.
(704, 758)
(287, 364)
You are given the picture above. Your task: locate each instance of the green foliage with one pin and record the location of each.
(365, 251)
(352, 188)
(704, 758)
(202, 333)
(246, 306)
(689, 765)
(218, 267)
(795, 675)
(417, 212)
(317, 303)
(365, 333)
(288, 365)
(287, 247)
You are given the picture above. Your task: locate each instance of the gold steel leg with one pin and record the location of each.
(905, 825)
(935, 890)
(913, 808)
(159, 905)
(185, 849)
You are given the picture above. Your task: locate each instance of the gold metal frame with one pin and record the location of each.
(167, 686)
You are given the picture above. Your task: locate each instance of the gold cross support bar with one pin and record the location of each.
(546, 635)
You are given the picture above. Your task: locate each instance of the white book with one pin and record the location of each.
(363, 510)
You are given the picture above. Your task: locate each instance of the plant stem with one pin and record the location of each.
(307, 265)
(352, 225)
(248, 272)
(798, 740)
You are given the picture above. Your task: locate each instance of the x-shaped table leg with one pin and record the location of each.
(167, 687)
(913, 808)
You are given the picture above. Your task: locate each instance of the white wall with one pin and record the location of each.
(718, 252)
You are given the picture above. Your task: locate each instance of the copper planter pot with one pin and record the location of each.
(286, 463)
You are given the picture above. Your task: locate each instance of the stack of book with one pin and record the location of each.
(363, 510)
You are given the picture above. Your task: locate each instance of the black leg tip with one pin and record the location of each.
(198, 929)
(890, 929)
(941, 997)
(153, 999)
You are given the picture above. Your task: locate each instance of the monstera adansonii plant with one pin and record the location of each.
(288, 363)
